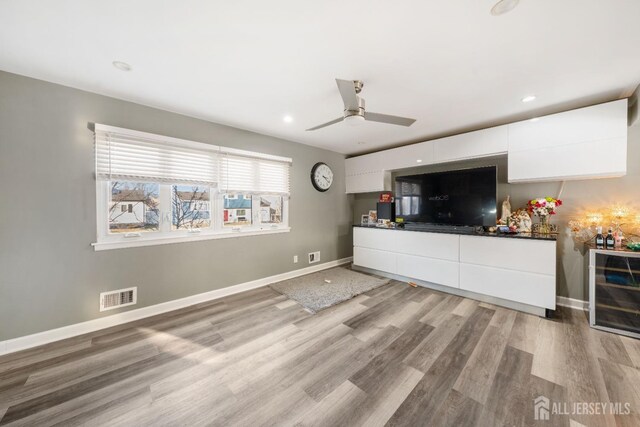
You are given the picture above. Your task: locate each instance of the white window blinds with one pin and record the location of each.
(128, 155)
(252, 173)
(122, 154)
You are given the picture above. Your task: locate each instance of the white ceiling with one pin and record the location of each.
(449, 64)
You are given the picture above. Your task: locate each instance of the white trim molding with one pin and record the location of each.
(576, 304)
(164, 240)
(45, 337)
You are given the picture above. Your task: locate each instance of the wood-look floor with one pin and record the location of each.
(394, 356)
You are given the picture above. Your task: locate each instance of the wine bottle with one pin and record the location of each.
(610, 241)
(599, 239)
(618, 239)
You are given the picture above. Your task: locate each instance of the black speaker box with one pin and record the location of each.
(387, 211)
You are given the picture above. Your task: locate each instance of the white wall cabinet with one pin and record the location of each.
(482, 143)
(472, 145)
(585, 143)
(512, 270)
(366, 182)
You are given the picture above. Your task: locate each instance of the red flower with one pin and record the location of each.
(552, 213)
(559, 202)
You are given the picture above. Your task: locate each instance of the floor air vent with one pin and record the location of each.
(116, 299)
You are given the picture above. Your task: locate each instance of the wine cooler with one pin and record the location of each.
(614, 291)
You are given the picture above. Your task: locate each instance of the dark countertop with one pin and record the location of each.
(467, 232)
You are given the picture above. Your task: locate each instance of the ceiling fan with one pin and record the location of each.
(354, 111)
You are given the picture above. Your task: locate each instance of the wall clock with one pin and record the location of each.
(321, 176)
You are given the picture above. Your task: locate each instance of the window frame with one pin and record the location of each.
(256, 223)
(165, 235)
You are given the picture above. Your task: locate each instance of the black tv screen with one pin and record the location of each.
(462, 198)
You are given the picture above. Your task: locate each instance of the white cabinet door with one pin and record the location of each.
(585, 143)
(431, 270)
(367, 163)
(603, 121)
(375, 259)
(408, 156)
(367, 182)
(535, 256)
(528, 288)
(471, 145)
(586, 160)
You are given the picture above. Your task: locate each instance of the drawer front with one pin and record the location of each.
(528, 288)
(431, 270)
(533, 256)
(431, 245)
(375, 238)
(375, 259)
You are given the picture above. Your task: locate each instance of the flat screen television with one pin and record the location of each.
(460, 198)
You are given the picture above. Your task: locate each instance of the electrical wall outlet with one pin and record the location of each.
(295, 259)
(314, 257)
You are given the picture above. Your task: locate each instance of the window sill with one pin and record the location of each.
(150, 241)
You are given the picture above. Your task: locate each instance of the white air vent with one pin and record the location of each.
(120, 298)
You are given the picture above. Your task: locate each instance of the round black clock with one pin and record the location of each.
(321, 176)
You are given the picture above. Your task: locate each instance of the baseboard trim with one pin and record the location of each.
(29, 341)
(576, 304)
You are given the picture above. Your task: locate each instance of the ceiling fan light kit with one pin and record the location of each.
(354, 108)
(354, 120)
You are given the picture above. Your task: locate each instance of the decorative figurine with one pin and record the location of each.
(506, 211)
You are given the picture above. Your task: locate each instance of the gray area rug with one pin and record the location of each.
(314, 293)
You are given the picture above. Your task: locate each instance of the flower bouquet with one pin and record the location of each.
(544, 208)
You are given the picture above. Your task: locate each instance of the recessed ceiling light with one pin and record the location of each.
(122, 66)
(419, 161)
(528, 98)
(287, 119)
(503, 6)
(535, 119)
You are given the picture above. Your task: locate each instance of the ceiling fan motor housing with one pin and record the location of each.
(359, 111)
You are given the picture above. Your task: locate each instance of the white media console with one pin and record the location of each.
(518, 273)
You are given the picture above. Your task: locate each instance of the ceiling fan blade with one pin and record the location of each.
(347, 90)
(385, 118)
(332, 122)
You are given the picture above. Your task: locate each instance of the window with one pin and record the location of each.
(408, 198)
(133, 207)
(154, 189)
(271, 209)
(236, 210)
(191, 207)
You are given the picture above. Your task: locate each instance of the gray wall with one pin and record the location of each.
(49, 274)
(578, 197)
